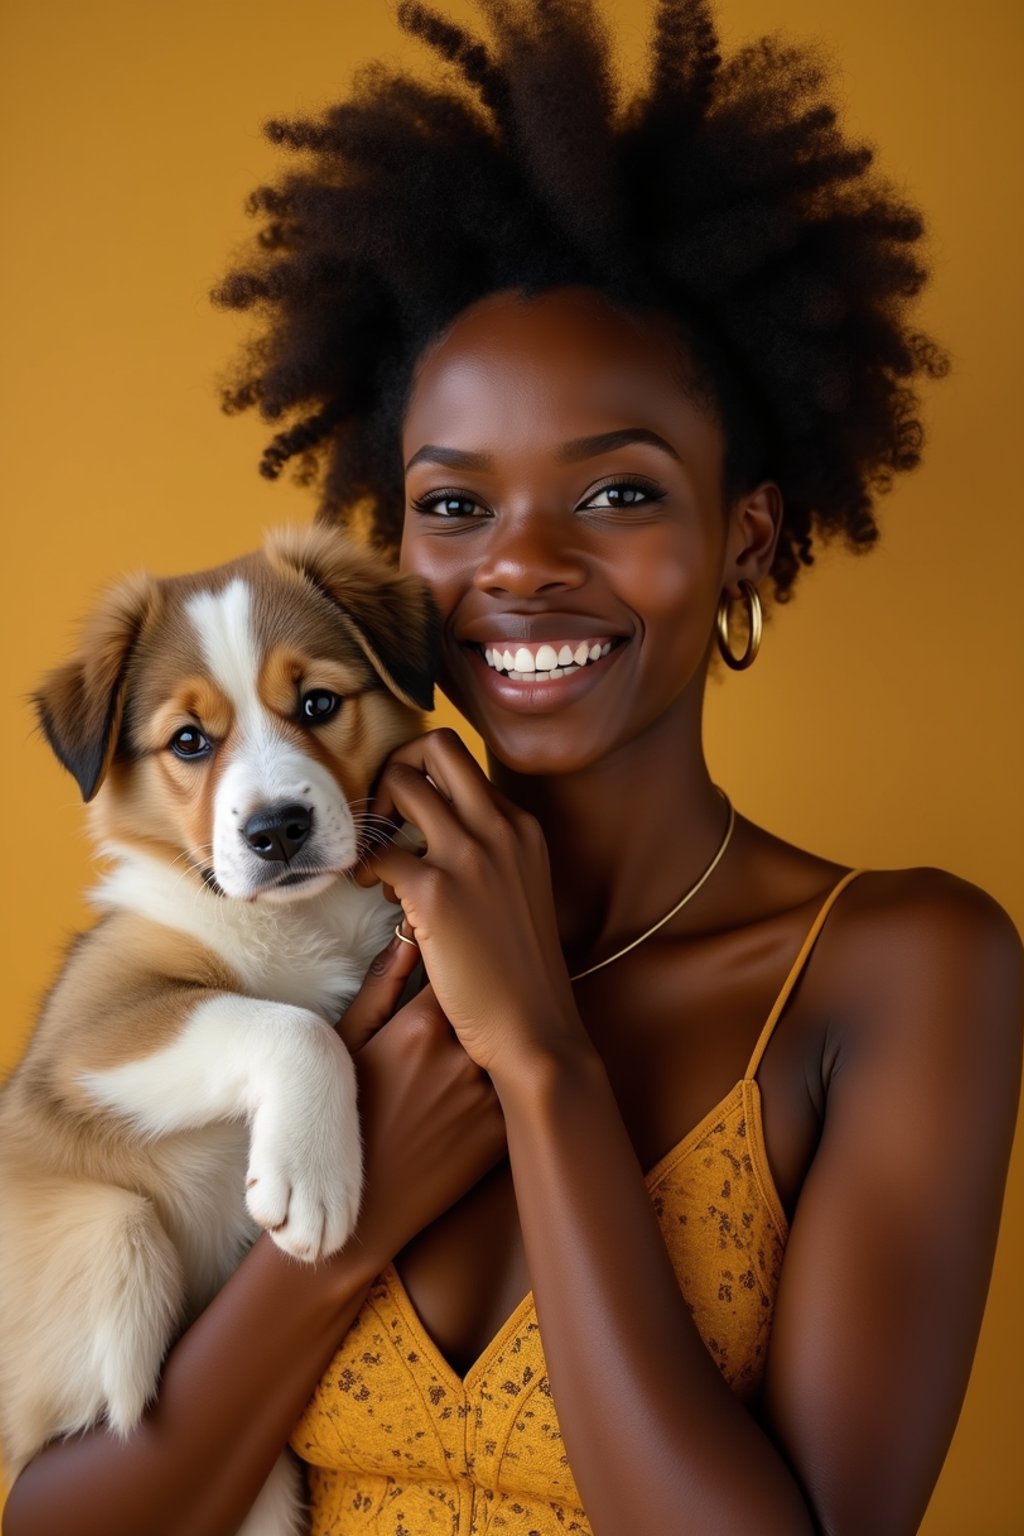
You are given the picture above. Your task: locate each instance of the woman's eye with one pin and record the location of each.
(190, 742)
(624, 493)
(449, 504)
(318, 705)
(619, 494)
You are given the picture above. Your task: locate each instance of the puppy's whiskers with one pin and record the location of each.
(373, 832)
(190, 863)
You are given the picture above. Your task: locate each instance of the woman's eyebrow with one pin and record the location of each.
(569, 453)
(604, 442)
(449, 458)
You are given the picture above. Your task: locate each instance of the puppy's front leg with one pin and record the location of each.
(283, 1068)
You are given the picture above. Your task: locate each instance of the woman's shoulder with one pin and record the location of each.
(902, 918)
(919, 947)
(885, 910)
(930, 964)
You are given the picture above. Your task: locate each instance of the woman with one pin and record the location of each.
(633, 375)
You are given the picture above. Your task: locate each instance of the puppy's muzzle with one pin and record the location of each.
(277, 834)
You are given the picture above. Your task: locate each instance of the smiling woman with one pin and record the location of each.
(684, 1169)
(595, 518)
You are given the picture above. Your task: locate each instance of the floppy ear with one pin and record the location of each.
(392, 617)
(80, 704)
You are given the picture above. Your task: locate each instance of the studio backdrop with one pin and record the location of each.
(882, 723)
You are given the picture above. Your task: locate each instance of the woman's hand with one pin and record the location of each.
(432, 1124)
(480, 905)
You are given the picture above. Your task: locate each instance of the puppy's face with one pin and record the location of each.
(250, 712)
(254, 727)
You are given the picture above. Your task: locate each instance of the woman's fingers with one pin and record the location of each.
(417, 799)
(434, 784)
(453, 773)
(380, 993)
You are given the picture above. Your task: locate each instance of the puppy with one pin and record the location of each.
(184, 1086)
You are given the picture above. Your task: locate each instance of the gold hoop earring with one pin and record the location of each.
(749, 595)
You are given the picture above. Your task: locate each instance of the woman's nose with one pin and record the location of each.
(526, 556)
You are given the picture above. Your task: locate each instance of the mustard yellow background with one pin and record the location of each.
(881, 724)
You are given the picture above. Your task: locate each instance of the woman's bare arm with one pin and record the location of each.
(885, 1274)
(890, 1254)
(236, 1382)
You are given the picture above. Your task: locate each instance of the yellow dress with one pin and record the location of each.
(397, 1444)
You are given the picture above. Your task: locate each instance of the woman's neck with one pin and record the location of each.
(626, 836)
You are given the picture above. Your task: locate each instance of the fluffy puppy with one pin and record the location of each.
(184, 1086)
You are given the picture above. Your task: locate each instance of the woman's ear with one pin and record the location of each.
(755, 522)
(392, 617)
(80, 704)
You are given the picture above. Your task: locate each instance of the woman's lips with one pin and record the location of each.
(540, 692)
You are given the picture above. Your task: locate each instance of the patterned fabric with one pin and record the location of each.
(398, 1445)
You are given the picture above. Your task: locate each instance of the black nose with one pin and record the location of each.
(278, 834)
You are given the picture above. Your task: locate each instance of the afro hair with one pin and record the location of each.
(724, 194)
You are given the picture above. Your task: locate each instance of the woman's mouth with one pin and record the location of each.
(544, 662)
(542, 675)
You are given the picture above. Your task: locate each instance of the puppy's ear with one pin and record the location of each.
(392, 617)
(80, 704)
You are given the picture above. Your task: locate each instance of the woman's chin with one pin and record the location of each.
(535, 726)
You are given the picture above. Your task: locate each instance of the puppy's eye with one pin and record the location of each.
(318, 705)
(190, 742)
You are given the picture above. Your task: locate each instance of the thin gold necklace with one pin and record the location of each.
(690, 894)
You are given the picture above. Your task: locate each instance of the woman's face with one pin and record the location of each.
(564, 503)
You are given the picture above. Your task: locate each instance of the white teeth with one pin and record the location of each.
(541, 677)
(546, 663)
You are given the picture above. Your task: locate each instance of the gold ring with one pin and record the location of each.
(404, 936)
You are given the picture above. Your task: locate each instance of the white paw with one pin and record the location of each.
(305, 1171)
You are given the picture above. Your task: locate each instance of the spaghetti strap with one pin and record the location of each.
(795, 970)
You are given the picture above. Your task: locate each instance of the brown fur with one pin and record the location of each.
(80, 704)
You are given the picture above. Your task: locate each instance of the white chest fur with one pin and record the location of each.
(312, 954)
(259, 1058)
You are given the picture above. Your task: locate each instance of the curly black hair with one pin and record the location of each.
(724, 196)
